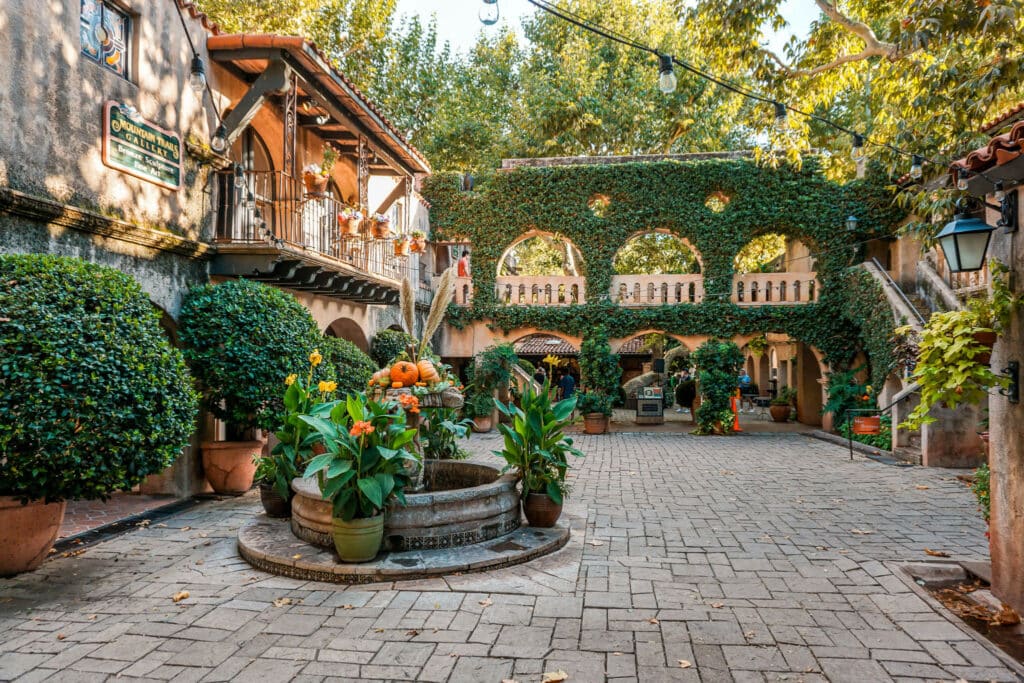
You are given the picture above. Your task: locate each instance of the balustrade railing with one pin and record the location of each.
(564, 290)
(275, 209)
(656, 290)
(765, 289)
(963, 284)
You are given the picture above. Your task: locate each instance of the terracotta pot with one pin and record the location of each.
(352, 226)
(540, 510)
(418, 244)
(358, 540)
(402, 248)
(27, 533)
(381, 229)
(315, 183)
(229, 465)
(273, 504)
(482, 425)
(595, 423)
(988, 340)
(347, 229)
(984, 439)
(780, 413)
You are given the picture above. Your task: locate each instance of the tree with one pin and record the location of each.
(760, 253)
(655, 253)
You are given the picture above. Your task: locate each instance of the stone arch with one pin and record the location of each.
(698, 258)
(794, 255)
(691, 342)
(346, 328)
(572, 260)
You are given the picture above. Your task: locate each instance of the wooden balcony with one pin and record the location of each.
(270, 229)
(774, 289)
(656, 290)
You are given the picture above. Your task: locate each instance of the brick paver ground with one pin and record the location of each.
(752, 558)
(83, 515)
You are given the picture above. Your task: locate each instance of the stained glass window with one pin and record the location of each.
(105, 32)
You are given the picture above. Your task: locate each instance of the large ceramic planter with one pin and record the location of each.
(27, 533)
(540, 510)
(358, 540)
(595, 423)
(987, 340)
(780, 413)
(229, 465)
(273, 504)
(482, 425)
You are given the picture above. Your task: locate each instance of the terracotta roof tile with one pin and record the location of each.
(196, 13)
(542, 345)
(1000, 150)
(1004, 117)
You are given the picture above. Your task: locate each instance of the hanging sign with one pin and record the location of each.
(867, 425)
(140, 148)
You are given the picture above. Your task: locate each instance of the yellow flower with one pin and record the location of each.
(327, 387)
(553, 360)
(315, 358)
(290, 379)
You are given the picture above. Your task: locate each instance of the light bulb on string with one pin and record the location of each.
(999, 191)
(917, 167)
(962, 181)
(219, 141)
(666, 75)
(197, 75)
(239, 176)
(857, 150)
(781, 122)
(489, 13)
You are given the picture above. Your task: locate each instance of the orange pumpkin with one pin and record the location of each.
(405, 373)
(421, 384)
(428, 373)
(396, 385)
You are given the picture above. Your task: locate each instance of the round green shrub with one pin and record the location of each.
(387, 344)
(718, 363)
(242, 339)
(94, 396)
(353, 367)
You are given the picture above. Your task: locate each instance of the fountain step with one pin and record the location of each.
(268, 544)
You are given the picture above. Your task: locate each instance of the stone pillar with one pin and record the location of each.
(952, 440)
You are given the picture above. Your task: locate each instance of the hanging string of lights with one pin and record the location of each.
(667, 82)
(200, 84)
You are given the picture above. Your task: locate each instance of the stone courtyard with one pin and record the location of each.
(750, 558)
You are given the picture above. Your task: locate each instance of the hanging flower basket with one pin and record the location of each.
(381, 230)
(402, 247)
(315, 183)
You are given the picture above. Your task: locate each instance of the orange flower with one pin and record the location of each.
(361, 428)
(410, 403)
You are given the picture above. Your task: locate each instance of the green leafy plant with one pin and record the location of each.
(388, 344)
(948, 371)
(352, 367)
(241, 339)
(493, 368)
(478, 404)
(785, 397)
(94, 397)
(440, 432)
(535, 446)
(368, 455)
(593, 402)
(845, 393)
(718, 363)
(982, 491)
(758, 345)
(599, 367)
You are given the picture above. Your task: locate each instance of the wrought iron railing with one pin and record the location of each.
(273, 208)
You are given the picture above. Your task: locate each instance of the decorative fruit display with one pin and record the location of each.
(382, 377)
(428, 373)
(404, 374)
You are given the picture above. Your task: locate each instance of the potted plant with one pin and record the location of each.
(537, 451)
(241, 337)
(479, 407)
(94, 398)
(781, 407)
(758, 345)
(419, 241)
(272, 477)
(365, 467)
(380, 226)
(440, 432)
(596, 409)
(349, 220)
(402, 245)
(314, 177)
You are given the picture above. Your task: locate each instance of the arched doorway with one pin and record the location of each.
(809, 387)
(345, 328)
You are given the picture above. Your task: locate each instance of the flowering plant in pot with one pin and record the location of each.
(479, 408)
(350, 219)
(369, 447)
(419, 241)
(241, 337)
(402, 245)
(315, 177)
(537, 450)
(94, 399)
(380, 226)
(596, 408)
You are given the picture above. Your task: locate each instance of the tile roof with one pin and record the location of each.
(1000, 150)
(1010, 115)
(634, 347)
(542, 345)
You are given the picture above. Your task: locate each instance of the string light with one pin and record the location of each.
(917, 167)
(1000, 191)
(489, 13)
(197, 75)
(219, 141)
(666, 75)
(781, 120)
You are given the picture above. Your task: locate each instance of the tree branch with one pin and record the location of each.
(873, 47)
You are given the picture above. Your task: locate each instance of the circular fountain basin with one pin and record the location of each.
(465, 504)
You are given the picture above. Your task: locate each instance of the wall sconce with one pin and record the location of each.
(1012, 373)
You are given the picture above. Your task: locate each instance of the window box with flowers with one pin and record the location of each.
(380, 226)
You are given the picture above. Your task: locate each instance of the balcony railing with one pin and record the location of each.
(760, 289)
(272, 209)
(964, 284)
(656, 290)
(513, 290)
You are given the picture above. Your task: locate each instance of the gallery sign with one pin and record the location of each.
(143, 149)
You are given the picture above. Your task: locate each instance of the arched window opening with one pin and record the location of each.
(540, 256)
(655, 253)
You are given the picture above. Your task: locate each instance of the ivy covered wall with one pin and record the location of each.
(671, 196)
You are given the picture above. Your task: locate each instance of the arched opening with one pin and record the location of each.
(540, 269)
(250, 215)
(345, 328)
(774, 269)
(809, 387)
(656, 253)
(535, 348)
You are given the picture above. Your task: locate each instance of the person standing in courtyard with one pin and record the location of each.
(686, 393)
(463, 266)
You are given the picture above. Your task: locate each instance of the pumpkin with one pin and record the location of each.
(382, 377)
(396, 385)
(428, 373)
(405, 373)
(421, 384)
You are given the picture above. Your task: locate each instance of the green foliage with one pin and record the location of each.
(762, 254)
(440, 432)
(718, 364)
(493, 369)
(242, 339)
(387, 344)
(369, 451)
(845, 393)
(599, 367)
(982, 490)
(535, 446)
(868, 308)
(882, 441)
(785, 397)
(594, 402)
(478, 404)
(94, 396)
(948, 371)
(540, 255)
(655, 253)
(353, 367)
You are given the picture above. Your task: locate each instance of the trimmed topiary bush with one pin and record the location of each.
(353, 367)
(94, 396)
(387, 344)
(242, 339)
(718, 364)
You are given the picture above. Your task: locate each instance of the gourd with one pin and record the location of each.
(428, 373)
(382, 377)
(404, 374)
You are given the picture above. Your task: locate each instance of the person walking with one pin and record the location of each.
(686, 394)
(540, 376)
(746, 387)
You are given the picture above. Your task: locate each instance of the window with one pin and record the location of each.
(105, 32)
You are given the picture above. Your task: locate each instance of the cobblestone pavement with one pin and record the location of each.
(83, 515)
(748, 558)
